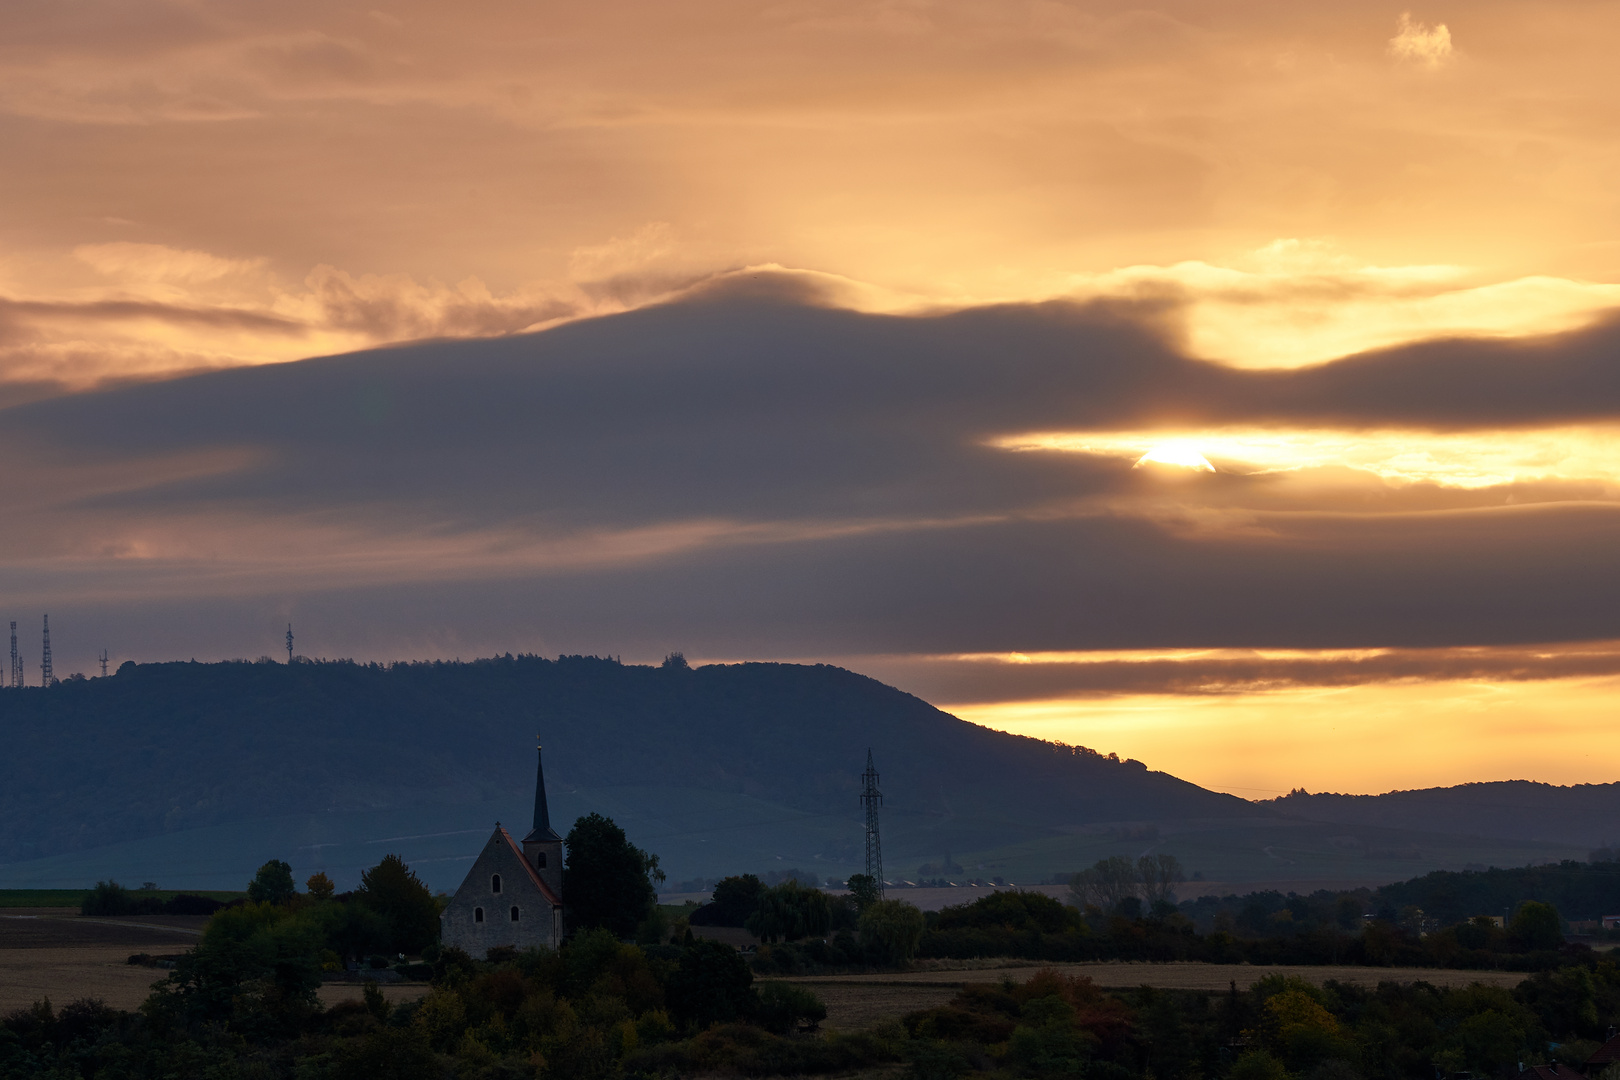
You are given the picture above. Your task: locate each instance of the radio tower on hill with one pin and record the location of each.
(16, 659)
(872, 798)
(289, 643)
(45, 656)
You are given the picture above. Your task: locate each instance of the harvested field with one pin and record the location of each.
(1178, 976)
(53, 952)
(67, 974)
(856, 1001)
(55, 928)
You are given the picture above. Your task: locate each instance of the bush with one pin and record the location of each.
(108, 898)
(890, 931)
(783, 1007)
(710, 985)
(790, 911)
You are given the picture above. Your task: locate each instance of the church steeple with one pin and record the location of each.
(543, 847)
(542, 830)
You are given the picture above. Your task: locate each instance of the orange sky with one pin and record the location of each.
(1264, 185)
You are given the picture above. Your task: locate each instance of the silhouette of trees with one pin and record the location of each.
(394, 892)
(273, 884)
(608, 882)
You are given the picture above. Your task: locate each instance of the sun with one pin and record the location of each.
(1178, 454)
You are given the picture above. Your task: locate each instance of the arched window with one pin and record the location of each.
(478, 914)
(514, 914)
(539, 860)
(495, 884)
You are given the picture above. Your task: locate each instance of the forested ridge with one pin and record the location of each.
(163, 747)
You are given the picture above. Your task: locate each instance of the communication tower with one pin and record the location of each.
(103, 663)
(872, 798)
(16, 659)
(46, 678)
(289, 643)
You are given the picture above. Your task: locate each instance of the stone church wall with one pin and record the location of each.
(536, 924)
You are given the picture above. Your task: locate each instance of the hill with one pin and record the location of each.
(716, 768)
(1582, 814)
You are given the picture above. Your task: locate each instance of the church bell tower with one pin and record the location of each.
(543, 847)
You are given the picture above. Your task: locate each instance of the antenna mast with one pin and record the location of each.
(46, 677)
(16, 660)
(872, 798)
(289, 643)
(103, 663)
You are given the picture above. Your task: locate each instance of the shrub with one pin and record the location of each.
(783, 1007)
(107, 898)
(890, 931)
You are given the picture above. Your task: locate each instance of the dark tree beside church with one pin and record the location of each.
(608, 882)
(273, 884)
(393, 891)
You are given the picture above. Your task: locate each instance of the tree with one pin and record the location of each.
(711, 984)
(393, 891)
(273, 884)
(790, 911)
(1159, 875)
(107, 898)
(1107, 883)
(734, 900)
(320, 886)
(891, 930)
(1537, 926)
(608, 882)
(863, 889)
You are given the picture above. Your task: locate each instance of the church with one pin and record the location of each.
(512, 895)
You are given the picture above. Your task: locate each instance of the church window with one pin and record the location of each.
(539, 860)
(495, 884)
(514, 914)
(478, 914)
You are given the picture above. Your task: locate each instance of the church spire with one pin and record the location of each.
(542, 814)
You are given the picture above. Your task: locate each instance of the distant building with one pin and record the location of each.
(512, 895)
(1611, 922)
(1603, 1056)
(1549, 1072)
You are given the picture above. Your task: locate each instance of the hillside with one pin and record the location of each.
(1582, 814)
(715, 767)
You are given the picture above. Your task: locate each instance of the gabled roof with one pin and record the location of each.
(1549, 1072)
(1608, 1052)
(534, 875)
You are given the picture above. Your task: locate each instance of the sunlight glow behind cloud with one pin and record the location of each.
(1472, 459)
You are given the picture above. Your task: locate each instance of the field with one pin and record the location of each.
(51, 952)
(72, 898)
(855, 1001)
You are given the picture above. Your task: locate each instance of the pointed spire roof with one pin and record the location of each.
(542, 814)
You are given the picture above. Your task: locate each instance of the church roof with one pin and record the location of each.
(542, 830)
(534, 875)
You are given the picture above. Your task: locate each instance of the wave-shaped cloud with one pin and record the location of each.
(747, 469)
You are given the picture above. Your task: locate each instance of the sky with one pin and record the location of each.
(1229, 385)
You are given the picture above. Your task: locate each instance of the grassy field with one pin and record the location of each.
(72, 898)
